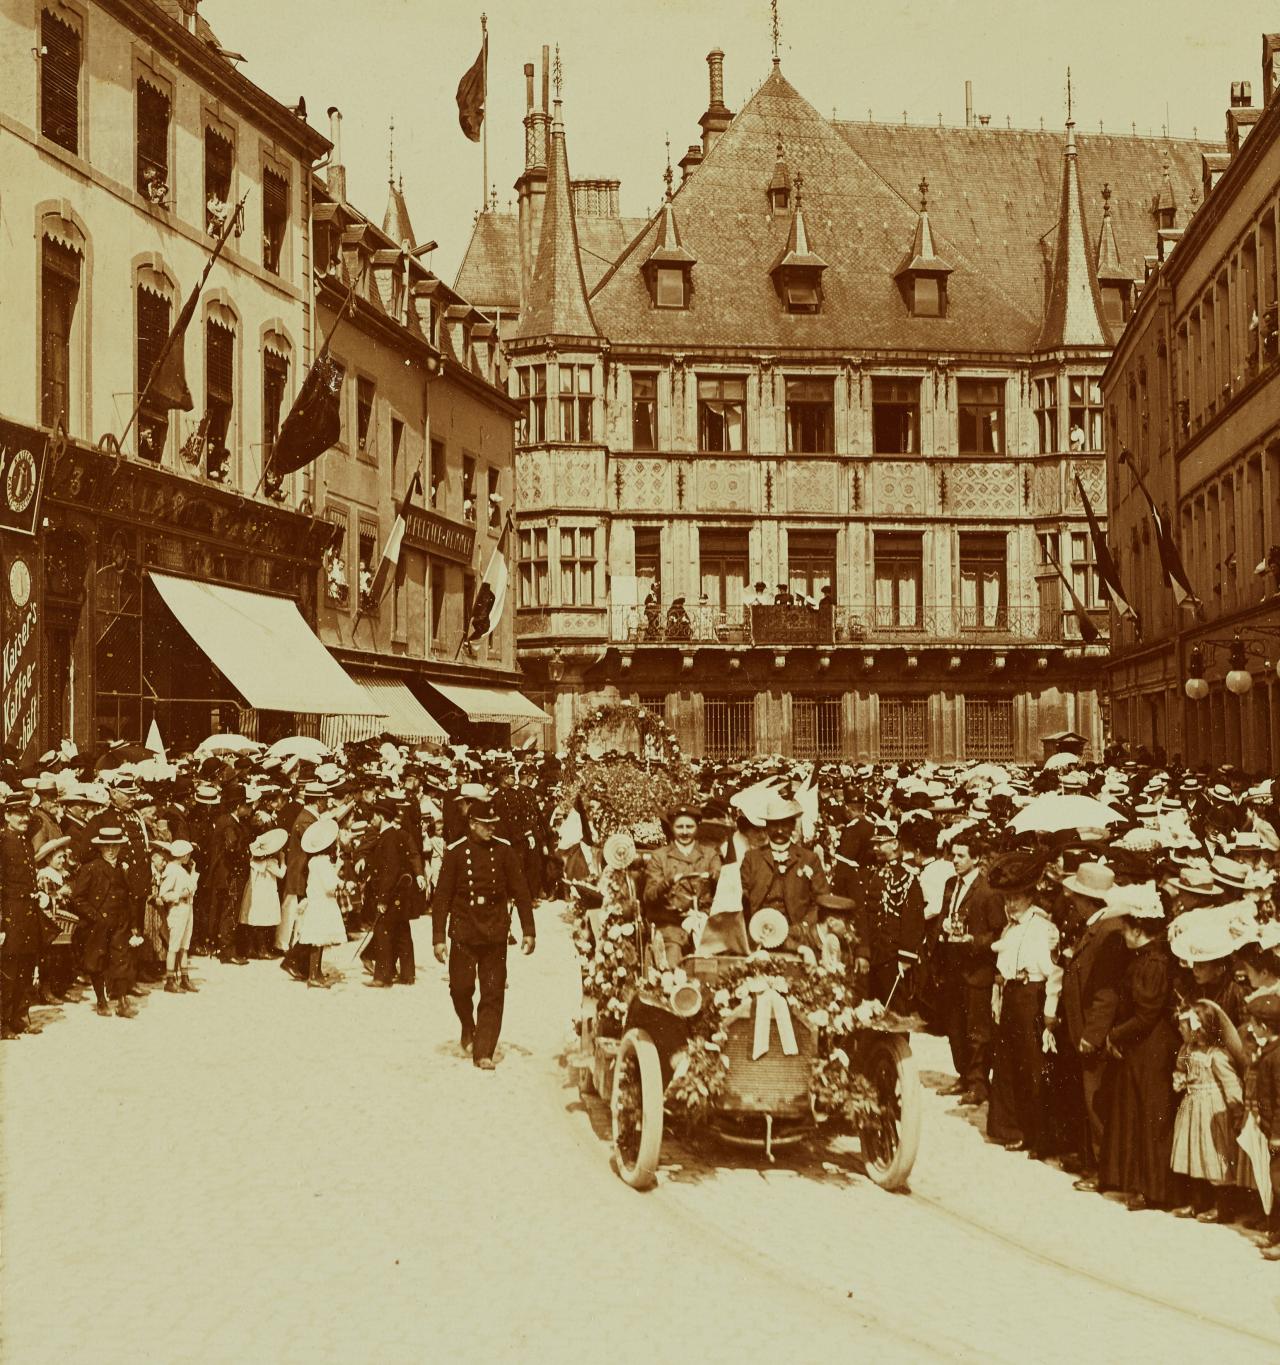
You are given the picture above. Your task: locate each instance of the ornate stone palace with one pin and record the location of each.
(856, 363)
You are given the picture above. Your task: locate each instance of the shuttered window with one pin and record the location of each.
(153, 142)
(275, 376)
(59, 292)
(275, 218)
(153, 331)
(219, 380)
(60, 82)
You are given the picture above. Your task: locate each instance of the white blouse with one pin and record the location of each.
(1028, 951)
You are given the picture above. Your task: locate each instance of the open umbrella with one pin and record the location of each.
(1062, 759)
(300, 746)
(1053, 811)
(985, 772)
(117, 755)
(227, 744)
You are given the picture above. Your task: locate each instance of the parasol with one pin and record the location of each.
(1062, 759)
(985, 772)
(120, 754)
(1253, 1142)
(1054, 811)
(299, 746)
(227, 744)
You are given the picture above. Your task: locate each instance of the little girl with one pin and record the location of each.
(177, 895)
(260, 908)
(320, 918)
(1205, 1127)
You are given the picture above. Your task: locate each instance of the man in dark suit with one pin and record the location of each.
(21, 924)
(479, 878)
(395, 883)
(518, 823)
(315, 797)
(228, 870)
(972, 919)
(135, 863)
(857, 839)
(1094, 962)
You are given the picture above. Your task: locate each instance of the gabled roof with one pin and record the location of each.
(1073, 309)
(557, 303)
(395, 221)
(668, 248)
(861, 222)
(797, 254)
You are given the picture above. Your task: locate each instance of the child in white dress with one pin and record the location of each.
(260, 909)
(320, 917)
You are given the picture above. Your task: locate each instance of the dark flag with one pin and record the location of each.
(313, 423)
(1089, 633)
(1175, 575)
(1104, 562)
(491, 596)
(390, 560)
(166, 385)
(471, 96)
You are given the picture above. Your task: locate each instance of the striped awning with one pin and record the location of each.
(402, 715)
(501, 704)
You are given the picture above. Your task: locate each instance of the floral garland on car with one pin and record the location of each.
(820, 997)
(610, 962)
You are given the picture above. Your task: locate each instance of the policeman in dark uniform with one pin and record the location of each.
(395, 885)
(21, 924)
(479, 878)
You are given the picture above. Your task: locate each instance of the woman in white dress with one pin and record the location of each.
(319, 916)
(260, 908)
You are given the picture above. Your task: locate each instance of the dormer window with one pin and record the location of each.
(780, 185)
(802, 296)
(670, 291)
(1115, 303)
(797, 274)
(922, 276)
(779, 199)
(927, 296)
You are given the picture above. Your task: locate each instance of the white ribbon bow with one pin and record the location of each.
(771, 1005)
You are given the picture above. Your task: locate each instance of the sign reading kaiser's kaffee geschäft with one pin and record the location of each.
(22, 465)
(23, 454)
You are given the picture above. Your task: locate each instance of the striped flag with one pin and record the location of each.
(1175, 575)
(1104, 561)
(491, 596)
(390, 560)
(1089, 633)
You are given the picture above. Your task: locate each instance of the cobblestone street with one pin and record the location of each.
(267, 1173)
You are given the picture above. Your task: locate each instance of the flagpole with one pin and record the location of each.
(493, 554)
(168, 345)
(484, 110)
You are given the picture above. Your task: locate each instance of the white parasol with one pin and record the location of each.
(1054, 811)
(1062, 759)
(300, 746)
(227, 744)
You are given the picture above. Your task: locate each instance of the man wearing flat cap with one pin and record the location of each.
(479, 878)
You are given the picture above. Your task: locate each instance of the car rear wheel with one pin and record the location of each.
(891, 1139)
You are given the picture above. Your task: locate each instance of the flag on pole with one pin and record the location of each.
(471, 96)
(491, 596)
(1089, 633)
(1104, 561)
(1175, 575)
(391, 550)
(166, 386)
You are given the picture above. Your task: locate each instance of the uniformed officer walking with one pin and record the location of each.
(479, 878)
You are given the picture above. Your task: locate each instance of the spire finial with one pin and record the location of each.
(667, 175)
(776, 26)
(1106, 199)
(391, 152)
(799, 189)
(924, 194)
(1070, 119)
(493, 198)
(557, 72)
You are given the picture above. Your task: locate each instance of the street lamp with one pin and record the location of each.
(1196, 688)
(1239, 679)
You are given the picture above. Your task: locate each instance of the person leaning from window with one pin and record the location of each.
(679, 883)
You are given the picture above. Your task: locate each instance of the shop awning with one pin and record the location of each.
(490, 703)
(401, 714)
(264, 648)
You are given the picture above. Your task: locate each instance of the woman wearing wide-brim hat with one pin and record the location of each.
(100, 896)
(260, 906)
(320, 923)
(1137, 1140)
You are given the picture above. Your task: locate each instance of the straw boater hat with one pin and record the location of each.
(269, 843)
(319, 835)
(1197, 881)
(109, 837)
(1213, 931)
(180, 849)
(51, 846)
(1230, 873)
(207, 795)
(1093, 880)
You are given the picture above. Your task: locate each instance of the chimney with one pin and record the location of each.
(336, 174)
(531, 188)
(690, 161)
(717, 118)
(1270, 66)
(189, 14)
(1241, 94)
(968, 104)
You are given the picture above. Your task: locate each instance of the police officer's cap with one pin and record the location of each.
(484, 812)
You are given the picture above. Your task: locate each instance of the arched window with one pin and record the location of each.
(154, 296)
(62, 250)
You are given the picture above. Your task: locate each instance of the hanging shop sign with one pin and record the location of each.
(438, 535)
(22, 464)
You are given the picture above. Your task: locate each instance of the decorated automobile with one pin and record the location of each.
(763, 1048)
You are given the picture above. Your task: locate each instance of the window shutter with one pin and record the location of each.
(153, 133)
(220, 344)
(60, 82)
(153, 331)
(217, 166)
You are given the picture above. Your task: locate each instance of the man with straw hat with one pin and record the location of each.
(100, 895)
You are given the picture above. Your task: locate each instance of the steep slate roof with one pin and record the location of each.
(557, 303)
(490, 270)
(996, 193)
(862, 223)
(395, 221)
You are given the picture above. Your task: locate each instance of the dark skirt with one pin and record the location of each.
(1137, 1142)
